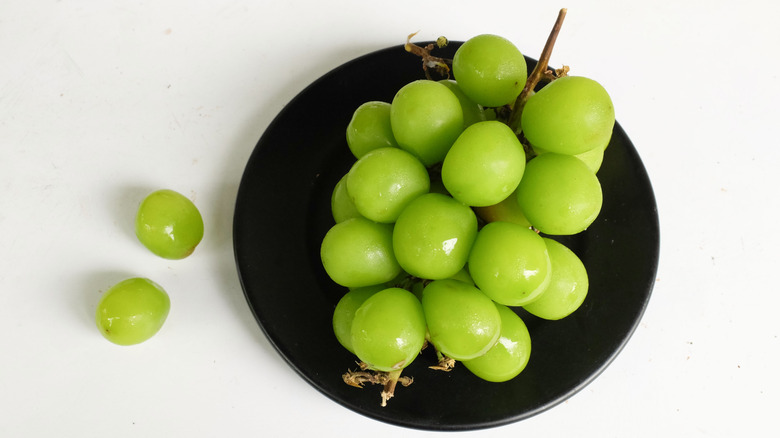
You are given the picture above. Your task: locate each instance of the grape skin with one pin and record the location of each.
(472, 111)
(388, 330)
(559, 194)
(507, 210)
(341, 205)
(568, 286)
(463, 323)
(484, 165)
(370, 129)
(570, 115)
(426, 118)
(490, 70)
(358, 252)
(384, 181)
(433, 236)
(132, 311)
(509, 355)
(509, 263)
(169, 224)
(344, 313)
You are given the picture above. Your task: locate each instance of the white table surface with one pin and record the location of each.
(104, 101)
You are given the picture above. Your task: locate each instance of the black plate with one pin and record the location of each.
(283, 211)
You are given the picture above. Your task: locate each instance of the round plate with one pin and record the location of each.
(283, 211)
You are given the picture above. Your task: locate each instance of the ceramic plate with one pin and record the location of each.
(283, 211)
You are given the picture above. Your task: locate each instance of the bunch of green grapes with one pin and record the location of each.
(444, 224)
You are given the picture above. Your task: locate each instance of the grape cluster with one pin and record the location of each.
(445, 221)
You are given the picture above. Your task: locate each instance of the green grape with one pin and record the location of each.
(463, 323)
(485, 164)
(358, 252)
(490, 70)
(384, 181)
(169, 224)
(132, 311)
(341, 205)
(345, 310)
(388, 330)
(509, 263)
(370, 129)
(559, 194)
(568, 284)
(507, 210)
(433, 236)
(426, 118)
(570, 115)
(592, 158)
(464, 276)
(509, 355)
(472, 111)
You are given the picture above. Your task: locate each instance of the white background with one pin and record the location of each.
(103, 101)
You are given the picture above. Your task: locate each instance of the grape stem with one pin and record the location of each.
(441, 65)
(537, 74)
(445, 363)
(389, 380)
(389, 390)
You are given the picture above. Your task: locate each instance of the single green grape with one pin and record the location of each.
(570, 115)
(485, 164)
(509, 263)
(472, 111)
(463, 323)
(559, 194)
(426, 118)
(490, 70)
(568, 284)
(433, 236)
(345, 310)
(507, 210)
(388, 330)
(384, 181)
(370, 129)
(169, 224)
(358, 252)
(509, 355)
(341, 205)
(132, 311)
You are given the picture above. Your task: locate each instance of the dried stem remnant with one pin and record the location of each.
(440, 65)
(445, 364)
(390, 380)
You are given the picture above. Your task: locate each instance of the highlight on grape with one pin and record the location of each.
(446, 222)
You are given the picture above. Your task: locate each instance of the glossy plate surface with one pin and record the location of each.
(283, 211)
